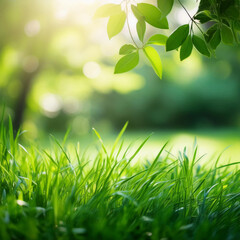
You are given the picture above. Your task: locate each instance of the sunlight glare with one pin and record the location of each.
(181, 15)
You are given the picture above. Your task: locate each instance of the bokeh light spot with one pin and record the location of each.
(91, 70)
(51, 105)
(30, 64)
(32, 28)
(224, 69)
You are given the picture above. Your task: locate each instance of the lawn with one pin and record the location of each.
(58, 193)
(211, 142)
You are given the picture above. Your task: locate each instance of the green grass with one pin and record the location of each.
(58, 193)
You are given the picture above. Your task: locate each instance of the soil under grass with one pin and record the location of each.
(57, 194)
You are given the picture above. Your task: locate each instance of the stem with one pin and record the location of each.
(190, 17)
(191, 27)
(128, 25)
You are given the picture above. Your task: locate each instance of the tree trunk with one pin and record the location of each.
(21, 103)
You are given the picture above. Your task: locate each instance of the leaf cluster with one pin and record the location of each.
(214, 22)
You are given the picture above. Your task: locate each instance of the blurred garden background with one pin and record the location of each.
(56, 72)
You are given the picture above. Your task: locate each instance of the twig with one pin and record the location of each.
(128, 25)
(190, 17)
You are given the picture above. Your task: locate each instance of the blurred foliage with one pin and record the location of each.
(210, 99)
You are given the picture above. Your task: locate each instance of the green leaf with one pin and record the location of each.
(237, 25)
(165, 6)
(157, 39)
(177, 37)
(127, 63)
(152, 15)
(186, 48)
(116, 24)
(108, 10)
(141, 29)
(203, 16)
(127, 49)
(210, 32)
(226, 34)
(233, 11)
(136, 12)
(163, 23)
(154, 59)
(200, 45)
(204, 4)
(215, 40)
